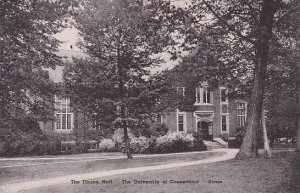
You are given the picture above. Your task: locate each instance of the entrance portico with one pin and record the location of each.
(204, 124)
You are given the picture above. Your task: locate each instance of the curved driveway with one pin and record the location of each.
(28, 185)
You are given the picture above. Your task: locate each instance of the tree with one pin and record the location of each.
(121, 38)
(298, 98)
(241, 32)
(26, 48)
(297, 20)
(249, 146)
(280, 97)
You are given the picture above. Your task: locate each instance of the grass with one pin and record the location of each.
(19, 174)
(280, 174)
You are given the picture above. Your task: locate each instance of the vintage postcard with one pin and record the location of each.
(149, 96)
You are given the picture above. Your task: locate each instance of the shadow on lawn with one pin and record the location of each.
(295, 163)
(292, 173)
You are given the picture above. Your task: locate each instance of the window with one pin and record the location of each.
(224, 123)
(204, 95)
(63, 114)
(198, 94)
(241, 113)
(159, 118)
(181, 123)
(180, 91)
(224, 93)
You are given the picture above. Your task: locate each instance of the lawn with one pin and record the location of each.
(280, 174)
(19, 174)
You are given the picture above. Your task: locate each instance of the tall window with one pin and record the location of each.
(180, 91)
(63, 114)
(159, 118)
(198, 94)
(204, 95)
(241, 113)
(181, 122)
(224, 123)
(224, 93)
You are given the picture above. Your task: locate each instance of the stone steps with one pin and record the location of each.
(212, 145)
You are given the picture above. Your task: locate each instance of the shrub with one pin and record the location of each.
(169, 143)
(22, 143)
(118, 135)
(141, 144)
(151, 129)
(199, 145)
(224, 136)
(107, 145)
(78, 147)
(48, 147)
(237, 139)
(157, 129)
(174, 142)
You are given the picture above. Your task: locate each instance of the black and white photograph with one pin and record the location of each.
(149, 96)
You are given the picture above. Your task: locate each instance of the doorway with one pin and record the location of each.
(205, 128)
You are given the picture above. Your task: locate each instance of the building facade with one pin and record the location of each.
(215, 116)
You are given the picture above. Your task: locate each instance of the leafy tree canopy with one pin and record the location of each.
(27, 46)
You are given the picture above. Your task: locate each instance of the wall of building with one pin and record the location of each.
(171, 121)
(217, 113)
(233, 117)
(218, 108)
(190, 122)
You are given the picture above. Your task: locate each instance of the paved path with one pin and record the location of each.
(67, 159)
(15, 187)
(93, 156)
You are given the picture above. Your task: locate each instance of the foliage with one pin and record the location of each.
(151, 129)
(237, 139)
(122, 62)
(199, 145)
(27, 47)
(224, 136)
(297, 72)
(225, 40)
(169, 143)
(158, 129)
(237, 42)
(21, 143)
(107, 145)
(182, 75)
(139, 145)
(174, 142)
(121, 38)
(280, 101)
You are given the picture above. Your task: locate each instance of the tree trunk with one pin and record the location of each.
(123, 107)
(266, 141)
(249, 146)
(298, 87)
(126, 138)
(126, 141)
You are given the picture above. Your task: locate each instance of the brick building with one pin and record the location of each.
(215, 116)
